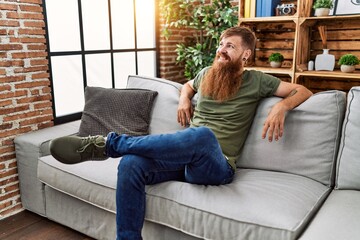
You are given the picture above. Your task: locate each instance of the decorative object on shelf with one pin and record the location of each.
(311, 65)
(347, 7)
(322, 7)
(348, 62)
(324, 61)
(276, 60)
(285, 9)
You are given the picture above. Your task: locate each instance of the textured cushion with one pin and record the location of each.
(256, 205)
(310, 142)
(348, 174)
(337, 219)
(164, 114)
(118, 110)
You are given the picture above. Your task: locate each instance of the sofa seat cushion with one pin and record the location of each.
(256, 205)
(93, 182)
(337, 219)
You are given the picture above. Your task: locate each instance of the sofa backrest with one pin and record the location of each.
(164, 113)
(348, 164)
(310, 141)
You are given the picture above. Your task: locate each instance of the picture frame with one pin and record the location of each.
(347, 7)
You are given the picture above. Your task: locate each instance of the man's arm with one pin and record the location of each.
(293, 95)
(185, 109)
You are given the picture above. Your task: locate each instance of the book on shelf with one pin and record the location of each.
(266, 8)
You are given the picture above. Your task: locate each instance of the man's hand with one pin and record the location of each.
(185, 108)
(293, 95)
(184, 111)
(274, 124)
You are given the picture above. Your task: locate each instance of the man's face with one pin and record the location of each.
(230, 50)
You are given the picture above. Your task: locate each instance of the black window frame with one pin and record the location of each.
(111, 51)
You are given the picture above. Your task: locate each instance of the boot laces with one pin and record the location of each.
(91, 140)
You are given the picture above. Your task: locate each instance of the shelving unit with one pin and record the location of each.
(297, 38)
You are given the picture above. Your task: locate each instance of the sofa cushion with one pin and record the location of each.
(256, 205)
(348, 174)
(310, 141)
(164, 114)
(337, 219)
(119, 110)
(93, 182)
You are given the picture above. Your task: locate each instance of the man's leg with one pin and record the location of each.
(197, 148)
(134, 172)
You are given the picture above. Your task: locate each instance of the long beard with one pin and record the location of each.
(223, 80)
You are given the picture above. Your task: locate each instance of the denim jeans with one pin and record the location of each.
(192, 155)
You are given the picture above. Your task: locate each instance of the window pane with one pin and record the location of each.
(145, 23)
(124, 65)
(68, 84)
(98, 70)
(122, 14)
(96, 24)
(64, 32)
(147, 63)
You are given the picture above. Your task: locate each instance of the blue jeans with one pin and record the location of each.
(192, 155)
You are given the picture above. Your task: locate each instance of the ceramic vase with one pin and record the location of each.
(347, 68)
(322, 12)
(325, 61)
(275, 64)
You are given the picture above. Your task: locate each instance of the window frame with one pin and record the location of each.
(111, 51)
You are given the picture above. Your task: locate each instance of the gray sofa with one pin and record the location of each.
(305, 186)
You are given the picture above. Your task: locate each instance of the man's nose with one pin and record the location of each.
(221, 50)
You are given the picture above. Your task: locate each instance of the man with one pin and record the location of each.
(206, 152)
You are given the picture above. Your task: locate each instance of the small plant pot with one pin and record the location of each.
(322, 12)
(347, 68)
(275, 64)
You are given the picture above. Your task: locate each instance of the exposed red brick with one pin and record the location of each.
(5, 103)
(9, 23)
(11, 63)
(36, 120)
(11, 79)
(37, 47)
(34, 24)
(14, 133)
(32, 32)
(31, 69)
(6, 47)
(28, 40)
(15, 15)
(34, 99)
(39, 62)
(8, 6)
(12, 110)
(32, 84)
(31, 8)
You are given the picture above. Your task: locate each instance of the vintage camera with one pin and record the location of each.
(285, 9)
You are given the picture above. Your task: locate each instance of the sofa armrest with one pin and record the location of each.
(29, 148)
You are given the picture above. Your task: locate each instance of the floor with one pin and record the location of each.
(29, 226)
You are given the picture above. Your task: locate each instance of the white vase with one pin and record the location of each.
(275, 64)
(325, 61)
(347, 68)
(322, 12)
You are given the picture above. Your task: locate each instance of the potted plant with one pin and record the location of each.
(206, 22)
(276, 59)
(348, 62)
(322, 7)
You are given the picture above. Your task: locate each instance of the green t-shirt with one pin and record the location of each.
(231, 120)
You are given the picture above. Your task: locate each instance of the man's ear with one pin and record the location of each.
(247, 53)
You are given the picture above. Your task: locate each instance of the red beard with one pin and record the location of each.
(223, 80)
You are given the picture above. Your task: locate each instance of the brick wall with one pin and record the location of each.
(24, 88)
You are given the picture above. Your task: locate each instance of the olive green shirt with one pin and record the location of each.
(231, 120)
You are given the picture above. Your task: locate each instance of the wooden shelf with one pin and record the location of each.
(329, 74)
(281, 71)
(270, 19)
(297, 38)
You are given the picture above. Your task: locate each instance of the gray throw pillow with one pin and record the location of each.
(125, 111)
